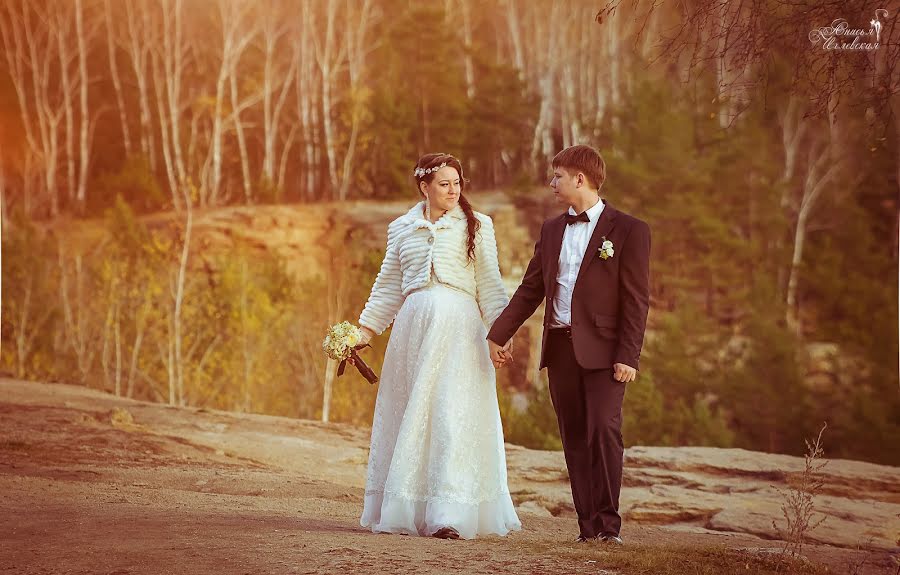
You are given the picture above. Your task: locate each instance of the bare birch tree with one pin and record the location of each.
(29, 315)
(304, 59)
(174, 49)
(238, 106)
(278, 77)
(84, 35)
(138, 44)
(468, 61)
(175, 358)
(61, 23)
(112, 331)
(234, 42)
(78, 313)
(330, 56)
(30, 46)
(356, 49)
(112, 49)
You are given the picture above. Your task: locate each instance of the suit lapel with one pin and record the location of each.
(554, 245)
(604, 225)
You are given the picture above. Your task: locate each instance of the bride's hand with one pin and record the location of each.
(366, 337)
(497, 356)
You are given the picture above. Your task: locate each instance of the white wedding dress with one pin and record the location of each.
(437, 457)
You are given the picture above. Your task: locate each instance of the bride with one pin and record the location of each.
(437, 464)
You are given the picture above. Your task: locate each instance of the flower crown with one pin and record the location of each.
(419, 172)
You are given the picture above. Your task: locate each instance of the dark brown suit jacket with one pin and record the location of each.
(610, 299)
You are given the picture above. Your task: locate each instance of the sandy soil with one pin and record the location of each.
(94, 484)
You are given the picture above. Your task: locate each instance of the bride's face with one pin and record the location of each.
(444, 190)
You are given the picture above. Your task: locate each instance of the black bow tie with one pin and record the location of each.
(582, 217)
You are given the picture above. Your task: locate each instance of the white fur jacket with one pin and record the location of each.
(414, 244)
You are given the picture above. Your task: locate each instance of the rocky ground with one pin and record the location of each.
(90, 483)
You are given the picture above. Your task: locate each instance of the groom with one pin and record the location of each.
(591, 266)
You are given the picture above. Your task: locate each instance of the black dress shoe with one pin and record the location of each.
(611, 538)
(446, 533)
(584, 539)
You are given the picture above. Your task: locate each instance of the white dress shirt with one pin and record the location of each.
(574, 244)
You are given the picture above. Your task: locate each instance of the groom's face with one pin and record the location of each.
(564, 186)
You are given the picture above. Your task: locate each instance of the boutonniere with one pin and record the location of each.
(606, 250)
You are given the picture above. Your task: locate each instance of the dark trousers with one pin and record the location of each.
(588, 404)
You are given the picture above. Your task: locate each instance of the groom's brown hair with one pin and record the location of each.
(584, 159)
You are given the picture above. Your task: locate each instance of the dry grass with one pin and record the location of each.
(120, 417)
(798, 506)
(677, 560)
(652, 559)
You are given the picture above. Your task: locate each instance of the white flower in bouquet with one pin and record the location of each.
(341, 339)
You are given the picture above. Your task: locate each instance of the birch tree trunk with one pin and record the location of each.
(77, 315)
(277, 82)
(828, 152)
(139, 44)
(337, 287)
(27, 325)
(31, 58)
(84, 141)
(285, 155)
(466, 9)
(179, 299)
(330, 56)
(62, 23)
(615, 54)
(118, 337)
(547, 75)
(114, 75)
(822, 170)
(242, 143)
(356, 54)
(159, 82)
(104, 355)
(794, 126)
(245, 344)
(305, 85)
(513, 23)
(330, 373)
(140, 329)
(173, 59)
(234, 43)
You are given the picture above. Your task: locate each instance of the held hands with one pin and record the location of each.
(624, 373)
(500, 356)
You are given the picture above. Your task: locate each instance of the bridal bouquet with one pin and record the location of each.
(341, 344)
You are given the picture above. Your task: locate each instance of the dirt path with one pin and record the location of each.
(94, 484)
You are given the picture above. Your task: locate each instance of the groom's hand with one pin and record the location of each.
(624, 373)
(499, 354)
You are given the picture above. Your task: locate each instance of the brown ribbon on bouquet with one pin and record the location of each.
(361, 366)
